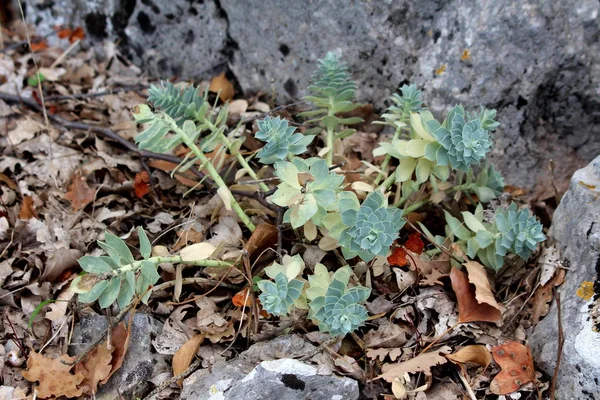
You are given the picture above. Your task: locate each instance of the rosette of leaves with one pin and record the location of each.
(371, 228)
(520, 232)
(334, 306)
(511, 231)
(280, 139)
(177, 102)
(308, 188)
(332, 92)
(279, 297)
(421, 154)
(465, 142)
(398, 114)
(112, 277)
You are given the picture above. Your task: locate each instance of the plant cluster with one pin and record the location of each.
(425, 161)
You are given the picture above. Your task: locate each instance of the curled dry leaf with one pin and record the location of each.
(263, 237)
(483, 291)
(544, 295)
(120, 342)
(27, 210)
(421, 363)
(184, 356)
(469, 309)
(517, 367)
(54, 377)
(475, 353)
(221, 85)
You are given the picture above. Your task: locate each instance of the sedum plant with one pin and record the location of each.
(511, 231)
(334, 306)
(332, 92)
(280, 296)
(117, 276)
(281, 141)
(366, 230)
(308, 189)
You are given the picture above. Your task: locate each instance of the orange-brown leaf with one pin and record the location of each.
(80, 194)
(27, 211)
(263, 237)
(120, 341)
(63, 33)
(39, 45)
(242, 298)
(184, 356)
(517, 367)
(414, 243)
(398, 257)
(141, 184)
(77, 34)
(478, 277)
(469, 309)
(220, 84)
(187, 177)
(95, 368)
(54, 378)
(475, 353)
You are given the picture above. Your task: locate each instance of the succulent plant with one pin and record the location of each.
(486, 117)
(308, 188)
(465, 141)
(333, 305)
(281, 140)
(409, 102)
(175, 101)
(489, 184)
(520, 232)
(371, 228)
(278, 297)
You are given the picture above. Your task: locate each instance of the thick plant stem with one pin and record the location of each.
(238, 156)
(173, 260)
(329, 145)
(214, 174)
(386, 160)
(387, 183)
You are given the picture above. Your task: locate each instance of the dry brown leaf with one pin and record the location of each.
(517, 367)
(543, 296)
(141, 184)
(27, 211)
(432, 278)
(187, 178)
(393, 354)
(95, 368)
(220, 84)
(387, 335)
(483, 291)
(475, 353)
(120, 341)
(469, 309)
(421, 363)
(54, 377)
(263, 237)
(80, 194)
(184, 356)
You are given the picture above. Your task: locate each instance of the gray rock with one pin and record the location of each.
(536, 61)
(576, 229)
(277, 376)
(141, 362)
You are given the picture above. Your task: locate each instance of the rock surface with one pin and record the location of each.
(576, 229)
(278, 377)
(141, 362)
(536, 61)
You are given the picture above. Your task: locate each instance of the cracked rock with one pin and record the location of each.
(576, 230)
(141, 363)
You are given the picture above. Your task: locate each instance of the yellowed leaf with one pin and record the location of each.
(475, 353)
(220, 84)
(184, 356)
(225, 195)
(310, 231)
(483, 291)
(362, 186)
(328, 243)
(198, 251)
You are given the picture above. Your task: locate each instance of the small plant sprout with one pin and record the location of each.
(280, 296)
(281, 141)
(332, 92)
(117, 276)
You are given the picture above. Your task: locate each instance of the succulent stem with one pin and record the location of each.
(329, 145)
(174, 260)
(386, 160)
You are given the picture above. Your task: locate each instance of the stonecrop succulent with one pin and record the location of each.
(521, 232)
(308, 188)
(465, 141)
(371, 228)
(280, 296)
(280, 140)
(510, 231)
(333, 305)
(175, 101)
(409, 102)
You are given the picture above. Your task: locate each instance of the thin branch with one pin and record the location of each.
(193, 366)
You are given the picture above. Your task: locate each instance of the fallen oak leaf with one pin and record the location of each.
(184, 356)
(421, 363)
(95, 368)
(27, 210)
(517, 367)
(80, 194)
(469, 309)
(54, 377)
(475, 353)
